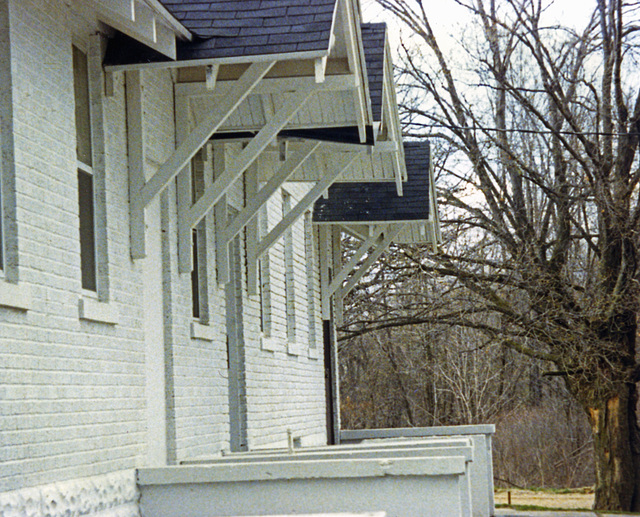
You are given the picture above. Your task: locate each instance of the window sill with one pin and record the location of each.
(99, 312)
(313, 353)
(294, 349)
(15, 296)
(268, 344)
(202, 332)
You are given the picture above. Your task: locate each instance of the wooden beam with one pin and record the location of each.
(325, 267)
(136, 154)
(304, 204)
(390, 234)
(320, 67)
(357, 66)
(248, 155)
(221, 219)
(259, 198)
(341, 276)
(211, 76)
(183, 192)
(272, 85)
(203, 131)
(252, 235)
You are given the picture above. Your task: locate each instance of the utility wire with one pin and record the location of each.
(526, 131)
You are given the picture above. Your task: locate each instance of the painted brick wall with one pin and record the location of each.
(72, 399)
(285, 385)
(72, 392)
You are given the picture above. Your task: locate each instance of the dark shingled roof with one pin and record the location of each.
(373, 40)
(368, 202)
(228, 28)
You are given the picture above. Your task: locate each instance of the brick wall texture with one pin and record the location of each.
(73, 400)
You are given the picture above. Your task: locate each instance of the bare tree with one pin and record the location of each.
(542, 129)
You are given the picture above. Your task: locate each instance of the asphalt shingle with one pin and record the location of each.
(373, 40)
(225, 28)
(370, 201)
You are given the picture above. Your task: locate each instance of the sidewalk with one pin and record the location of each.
(508, 512)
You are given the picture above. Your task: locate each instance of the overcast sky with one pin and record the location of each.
(446, 16)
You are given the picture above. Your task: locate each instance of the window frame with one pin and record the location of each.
(84, 158)
(94, 305)
(289, 272)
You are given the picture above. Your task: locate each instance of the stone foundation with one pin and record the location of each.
(111, 495)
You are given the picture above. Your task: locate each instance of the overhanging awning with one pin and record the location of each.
(375, 214)
(240, 86)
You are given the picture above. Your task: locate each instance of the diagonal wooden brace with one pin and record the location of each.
(341, 276)
(249, 154)
(203, 131)
(390, 233)
(304, 204)
(288, 168)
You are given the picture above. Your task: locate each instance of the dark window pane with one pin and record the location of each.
(195, 277)
(83, 118)
(87, 231)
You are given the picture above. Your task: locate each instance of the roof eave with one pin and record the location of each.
(231, 60)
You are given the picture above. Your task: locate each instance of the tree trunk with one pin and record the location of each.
(616, 438)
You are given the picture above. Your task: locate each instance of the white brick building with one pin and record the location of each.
(128, 336)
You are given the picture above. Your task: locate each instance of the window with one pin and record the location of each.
(289, 276)
(1, 204)
(199, 284)
(264, 274)
(195, 276)
(84, 155)
(87, 230)
(310, 261)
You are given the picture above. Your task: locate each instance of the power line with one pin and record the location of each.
(526, 131)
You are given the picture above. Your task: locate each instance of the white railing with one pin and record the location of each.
(402, 479)
(483, 504)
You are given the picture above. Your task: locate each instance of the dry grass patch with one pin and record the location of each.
(578, 499)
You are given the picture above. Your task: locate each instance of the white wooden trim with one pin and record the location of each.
(389, 235)
(138, 20)
(358, 231)
(248, 155)
(231, 60)
(435, 219)
(320, 67)
(136, 155)
(211, 74)
(356, 64)
(390, 109)
(271, 85)
(258, 199)
(170, 20)
(304, 204)
(341, 276)
(203, 131)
